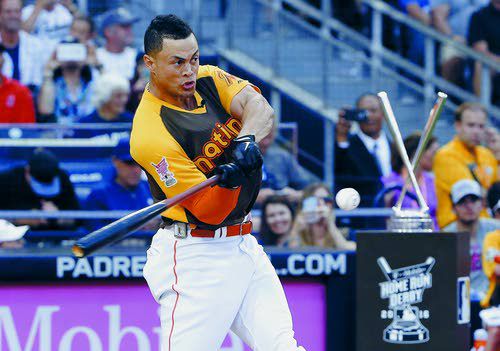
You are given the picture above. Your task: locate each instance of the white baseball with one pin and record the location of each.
(347, 199)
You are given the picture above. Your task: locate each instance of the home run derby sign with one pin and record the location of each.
(410, 291)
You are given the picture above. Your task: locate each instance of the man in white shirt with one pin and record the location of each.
(49, 20)
(26, 54)
(117, 56)
(362, 158)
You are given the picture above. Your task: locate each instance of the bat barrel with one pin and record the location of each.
(121, 228)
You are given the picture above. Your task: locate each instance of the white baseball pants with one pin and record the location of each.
(208, 286)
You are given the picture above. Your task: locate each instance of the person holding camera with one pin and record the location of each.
(363, 157)
(314, 225)
(65, 95)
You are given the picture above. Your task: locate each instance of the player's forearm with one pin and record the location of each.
(257, 118)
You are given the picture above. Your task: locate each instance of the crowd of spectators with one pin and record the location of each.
(57, 66)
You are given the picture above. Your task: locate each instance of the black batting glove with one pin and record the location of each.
(246, 154)
(231, 175)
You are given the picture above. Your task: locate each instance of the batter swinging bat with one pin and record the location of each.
(123, 227)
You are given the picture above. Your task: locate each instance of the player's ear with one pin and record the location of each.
(150, 62)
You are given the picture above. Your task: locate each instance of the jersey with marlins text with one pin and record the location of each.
(178, 149)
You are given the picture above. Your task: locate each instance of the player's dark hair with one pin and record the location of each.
(473, 106)
(164, 27)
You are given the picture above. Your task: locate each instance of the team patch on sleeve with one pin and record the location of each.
(165, 174)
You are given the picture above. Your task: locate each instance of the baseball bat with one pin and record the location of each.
(125, 226)
(424, 140)
(398, 141)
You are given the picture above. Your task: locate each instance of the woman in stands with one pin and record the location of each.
(394, 182)
(277, 219)
(315, 222)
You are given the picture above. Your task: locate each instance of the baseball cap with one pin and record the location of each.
(44, 170)
(120, 16)
(9, 232)
(122, 150)
(463, 188)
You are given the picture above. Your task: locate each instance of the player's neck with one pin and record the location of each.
(186, 103)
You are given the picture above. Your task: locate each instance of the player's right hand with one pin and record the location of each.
(247, 155)
(231, 175)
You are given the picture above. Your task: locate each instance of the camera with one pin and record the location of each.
(310, 209)
(356, 115)
(71, 52)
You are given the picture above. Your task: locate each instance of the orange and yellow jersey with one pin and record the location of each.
(453, 162)
(178, 149)
(491, 249)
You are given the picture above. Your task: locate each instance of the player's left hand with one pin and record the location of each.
(246, 154)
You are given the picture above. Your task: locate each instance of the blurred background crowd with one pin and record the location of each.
(72, 74)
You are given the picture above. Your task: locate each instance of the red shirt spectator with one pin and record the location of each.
(16, 102)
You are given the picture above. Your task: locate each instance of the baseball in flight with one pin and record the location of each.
(347, 199)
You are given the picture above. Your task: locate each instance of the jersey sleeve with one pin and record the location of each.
(174, 172)
(227, 85)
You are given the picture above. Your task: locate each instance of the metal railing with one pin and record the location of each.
(431, 37)
(381, 59)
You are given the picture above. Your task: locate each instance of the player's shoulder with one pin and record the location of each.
(208, 71)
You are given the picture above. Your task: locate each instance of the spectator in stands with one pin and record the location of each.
(126, 191)
(394, 182)
(138, 83)
(451, 18)
(110, 97)
(493, 141)
(493, 199)
(467, 198)
(82, 29)
(483, 37)
(40, 185)
(49, 20)
(362, 158)
(277, 219)
(491, 268)
(66, 92)
(414, 39)
(281, 173)
(117, 56)
(26, 53)
(314, 225)
(16, 102)
(463, 158)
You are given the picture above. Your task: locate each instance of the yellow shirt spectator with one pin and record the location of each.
(491, 248)
(463, 158)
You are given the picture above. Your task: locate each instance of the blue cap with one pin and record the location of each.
(45, 173)
(120, 16)
(122, 150)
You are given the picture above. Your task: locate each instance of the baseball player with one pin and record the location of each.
(203, 268)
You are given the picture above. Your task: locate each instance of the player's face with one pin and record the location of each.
(279, 218)
(128, 173)
(175, 68)
(472, 128)
(468, 209)
(373, 126)
(10, 15)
